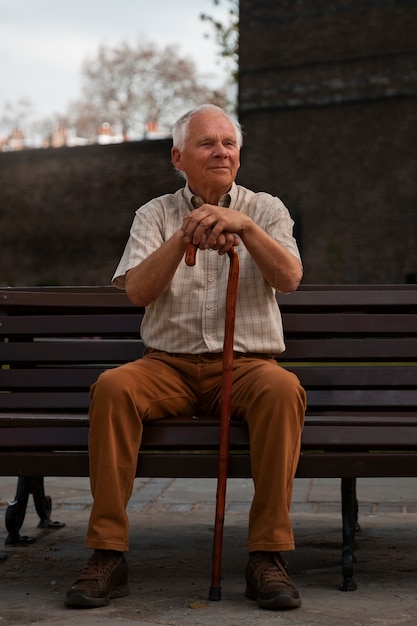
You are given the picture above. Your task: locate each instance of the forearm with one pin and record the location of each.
(279, 267)
(148, 280)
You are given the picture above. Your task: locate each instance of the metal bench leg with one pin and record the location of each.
(350, 526)
(16, 511)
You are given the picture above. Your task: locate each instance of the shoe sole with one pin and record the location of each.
(281, 601)
(79, 600)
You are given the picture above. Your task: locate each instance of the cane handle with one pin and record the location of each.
(190, 254)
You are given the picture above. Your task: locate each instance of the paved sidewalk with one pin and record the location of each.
(170, 557)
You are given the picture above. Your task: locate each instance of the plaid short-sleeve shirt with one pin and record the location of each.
(189, 316)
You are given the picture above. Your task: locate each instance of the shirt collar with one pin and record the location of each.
(227, 200)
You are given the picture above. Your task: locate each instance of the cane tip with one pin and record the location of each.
(215, 593)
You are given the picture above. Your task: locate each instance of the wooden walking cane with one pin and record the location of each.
(226, 403)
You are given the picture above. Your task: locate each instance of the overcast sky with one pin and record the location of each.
(44, 42)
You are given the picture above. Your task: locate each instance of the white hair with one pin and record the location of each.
(180, 128)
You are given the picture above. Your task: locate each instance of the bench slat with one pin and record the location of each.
(108, 351)
(321, 376)
(206, 436)
(364, 376)
(299, 323)
(189, 465)
(372, 398)
(349, 323)
(77, 351)
(69, 325)
(335, 398)
(385, 349)
(47, 377)
(45, 400)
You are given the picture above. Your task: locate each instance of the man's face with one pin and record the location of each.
(210, 158)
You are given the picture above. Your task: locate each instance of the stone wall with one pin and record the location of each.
(328, 98)
(65, 213)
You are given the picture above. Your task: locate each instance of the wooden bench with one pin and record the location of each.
(353, 347)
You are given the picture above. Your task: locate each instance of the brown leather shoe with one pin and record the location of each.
(104, 577)
(268, 583)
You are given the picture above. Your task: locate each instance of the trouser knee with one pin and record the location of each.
(111, 383)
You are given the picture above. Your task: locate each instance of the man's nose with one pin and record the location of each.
(221, 150)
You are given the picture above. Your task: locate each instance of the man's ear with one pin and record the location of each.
(176, 158)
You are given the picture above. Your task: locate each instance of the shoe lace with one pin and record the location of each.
(98, 566)
(272, 566)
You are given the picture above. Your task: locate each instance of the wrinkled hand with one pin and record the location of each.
(211, 226)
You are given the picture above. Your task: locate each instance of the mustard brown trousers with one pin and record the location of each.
(267, 396)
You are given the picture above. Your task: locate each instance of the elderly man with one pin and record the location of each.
(181, 370)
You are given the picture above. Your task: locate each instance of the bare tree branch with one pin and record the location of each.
(132, 86)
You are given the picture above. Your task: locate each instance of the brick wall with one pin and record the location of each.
(65, 213)
(328, 95)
